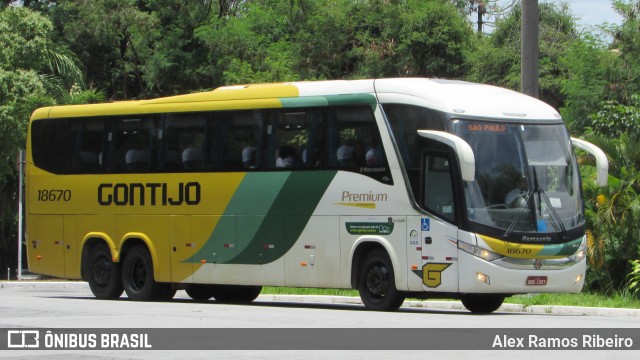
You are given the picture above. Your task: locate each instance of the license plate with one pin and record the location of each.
(536, 280)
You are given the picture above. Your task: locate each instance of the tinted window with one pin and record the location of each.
(183, 142)
(294, 139)
(405, 121)
(235, 140)
(87, 141)
(49, 145)
(130, 145)
(353, 143)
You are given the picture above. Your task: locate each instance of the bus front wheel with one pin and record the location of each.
(102, 273)
(377, 283)
(137, 277)
(482, 303)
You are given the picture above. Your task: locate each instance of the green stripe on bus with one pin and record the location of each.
(287, 217)
(566, 249)
(329, 100)
(242, 217)
(265, 217)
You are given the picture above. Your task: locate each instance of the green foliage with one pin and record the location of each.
(600, 72)
(497, 60)
(615, 119)
(113, 38)
(34, 71)
(613, 212)
(634, 277)
(590, 66)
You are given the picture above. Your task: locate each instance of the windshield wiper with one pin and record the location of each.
(518, 214)
(554, 214)
(552, 211)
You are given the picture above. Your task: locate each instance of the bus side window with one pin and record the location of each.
(131, 145)
(353, 143)
(235, 140)
(86, 139)
(49, 145)
(183, 142)
(293, 139)
(405, 121)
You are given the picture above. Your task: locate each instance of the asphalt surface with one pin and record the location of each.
(318, 299)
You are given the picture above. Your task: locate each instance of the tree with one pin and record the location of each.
(497, 60)
(383, 38)
(600, 72)
(486, 11)
(113, 38)
(34, 70)
(613, 213)
(253, 46)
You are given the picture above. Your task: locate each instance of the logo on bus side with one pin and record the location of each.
(362, 200)
(154, 194)
(432, 274)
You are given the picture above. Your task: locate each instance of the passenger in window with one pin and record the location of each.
(250, 157)
(137, 159)
(345, 153)
(374, 156)
(286, 157)
(310, 158)
(516, 197)
(192, 158)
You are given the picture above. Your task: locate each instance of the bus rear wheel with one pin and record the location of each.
(102, 273)
(236, 294)
(137, 277)
(482, 303)
(377, 283)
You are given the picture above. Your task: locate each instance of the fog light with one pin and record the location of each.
(484, 278)
(578, 278)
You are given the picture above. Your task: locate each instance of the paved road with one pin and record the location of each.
(71, 305)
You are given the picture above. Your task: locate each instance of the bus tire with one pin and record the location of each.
(482, 303)
(236, 294)
(201, 292)
(102, 274)
(377, 283)
(137, 276)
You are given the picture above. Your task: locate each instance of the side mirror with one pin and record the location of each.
(602, 164)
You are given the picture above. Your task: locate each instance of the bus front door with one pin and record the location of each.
(439, 234)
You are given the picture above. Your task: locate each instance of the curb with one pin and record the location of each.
(348, 300)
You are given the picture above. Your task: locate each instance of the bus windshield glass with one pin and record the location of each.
(527, 179)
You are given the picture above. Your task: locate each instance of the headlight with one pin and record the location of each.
(581, 253)
(479, 252)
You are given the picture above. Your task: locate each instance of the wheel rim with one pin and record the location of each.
(378, 280)
(138, 274)
(101, 271)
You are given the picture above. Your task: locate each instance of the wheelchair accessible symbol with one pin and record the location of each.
(426, 226)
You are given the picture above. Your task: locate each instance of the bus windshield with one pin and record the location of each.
(526, 179)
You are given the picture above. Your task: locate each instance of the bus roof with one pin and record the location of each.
(450, 96)
(470, 99)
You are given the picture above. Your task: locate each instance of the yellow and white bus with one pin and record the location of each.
(395, 187)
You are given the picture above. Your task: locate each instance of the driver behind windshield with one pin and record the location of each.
(515, 197)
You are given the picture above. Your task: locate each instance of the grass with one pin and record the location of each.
(617, 300)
